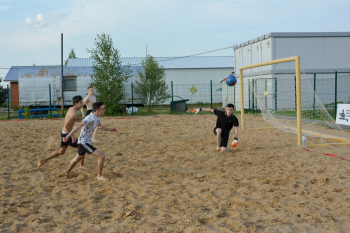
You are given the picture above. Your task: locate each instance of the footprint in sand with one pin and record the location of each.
(37, 176)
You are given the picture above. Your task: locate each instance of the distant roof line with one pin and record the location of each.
(83, 66)
(189, 62)
(293, 35)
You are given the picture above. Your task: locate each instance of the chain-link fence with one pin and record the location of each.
(39, 101)
(6, 112)
(43, 97)
(199, 94)
(330, 88)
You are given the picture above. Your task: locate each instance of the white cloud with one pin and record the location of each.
(4, 8)
(28, 20)
(167, 27)
(29, 23)
(39, 17)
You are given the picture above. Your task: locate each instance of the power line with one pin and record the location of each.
(169, 59)
(174, 58)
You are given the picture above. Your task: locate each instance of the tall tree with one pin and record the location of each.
(152, 87)
(3, 93)
(71, 55)
(109, 74)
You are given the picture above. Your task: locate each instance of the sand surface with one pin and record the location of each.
(167, 177)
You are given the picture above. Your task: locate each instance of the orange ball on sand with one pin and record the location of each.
(234, 143)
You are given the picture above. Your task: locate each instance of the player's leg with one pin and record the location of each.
(54, 154)
(100, 162)
(94, 135)
(74, 162)
(224, 141)
(75, 145)
(82, 165)
(218, 133)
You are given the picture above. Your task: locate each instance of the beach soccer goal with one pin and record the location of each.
(287, 100)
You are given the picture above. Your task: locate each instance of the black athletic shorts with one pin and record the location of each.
(88, 112)
(69, 142)
(85, 147)
(225, 135)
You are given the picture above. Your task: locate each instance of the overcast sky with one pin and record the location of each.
(31, 29)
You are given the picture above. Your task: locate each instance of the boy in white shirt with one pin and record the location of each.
(89, 123)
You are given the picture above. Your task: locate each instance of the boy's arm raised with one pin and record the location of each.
(106, 128)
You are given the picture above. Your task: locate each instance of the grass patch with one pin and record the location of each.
(142, 111)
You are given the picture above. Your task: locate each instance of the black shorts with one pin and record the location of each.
(88, 112)
(69, 142)
(85, 147)
(225, 135)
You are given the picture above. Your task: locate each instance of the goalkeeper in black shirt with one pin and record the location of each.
(224, 123)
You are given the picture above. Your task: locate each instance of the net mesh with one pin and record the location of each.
(276, 98)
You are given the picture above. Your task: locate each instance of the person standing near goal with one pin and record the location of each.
(226, 120)
(88, 125)
(88, 101)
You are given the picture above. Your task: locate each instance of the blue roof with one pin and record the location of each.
(83, 66)
(45, 71)
(12, 74)
(193, 62)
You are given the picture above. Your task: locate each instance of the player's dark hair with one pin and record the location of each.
(76, 99)
(89, 87)
(230, 106)
(97, 105)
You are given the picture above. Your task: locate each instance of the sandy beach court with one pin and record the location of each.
(167, 177)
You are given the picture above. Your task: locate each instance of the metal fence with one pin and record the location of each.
(330, 88)
(202, 93)
(206, 95)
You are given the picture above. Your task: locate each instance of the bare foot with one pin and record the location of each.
(64, 174)
(41, 162)
(102, 178)
(83, 167)
(94, 140)
(217, 148)
(224, 149)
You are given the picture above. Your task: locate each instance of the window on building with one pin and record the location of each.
(69, 84)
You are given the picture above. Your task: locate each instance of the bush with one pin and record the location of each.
(15, 107)
(27, 111)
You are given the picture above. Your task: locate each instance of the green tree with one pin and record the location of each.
(71, 55)
(109, 74)
(3, 93)
(152, 87)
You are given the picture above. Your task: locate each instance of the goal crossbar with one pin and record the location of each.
(298, 89)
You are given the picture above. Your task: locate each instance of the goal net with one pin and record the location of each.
(287, 100)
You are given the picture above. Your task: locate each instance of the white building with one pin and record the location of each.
(183, 72)
(321, 53)
(30, 84)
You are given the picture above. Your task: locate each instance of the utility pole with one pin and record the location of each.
(146, 50)
(62, 99)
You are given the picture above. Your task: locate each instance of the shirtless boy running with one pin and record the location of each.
(70, 119)
(88, 101)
